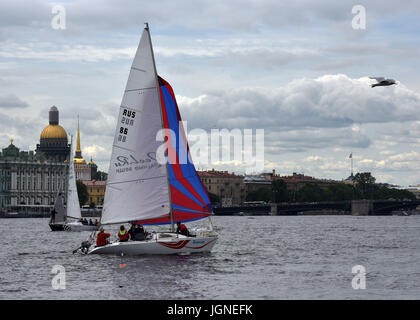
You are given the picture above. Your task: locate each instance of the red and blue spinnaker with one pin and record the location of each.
(189, 198)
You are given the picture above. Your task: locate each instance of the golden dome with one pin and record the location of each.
(79, 160)
(53, 131)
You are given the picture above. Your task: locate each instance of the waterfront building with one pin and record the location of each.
(29, 182)
(96, 191)
(53, 144)
(229, 187)
(255, 182)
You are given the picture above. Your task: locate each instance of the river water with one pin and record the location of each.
(303, 257)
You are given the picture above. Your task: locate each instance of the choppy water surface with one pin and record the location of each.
(254, 258)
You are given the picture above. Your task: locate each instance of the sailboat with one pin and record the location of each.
(72, 209)
(140, 188)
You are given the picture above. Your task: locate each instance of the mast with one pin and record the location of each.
(69, 173)
(161, 118)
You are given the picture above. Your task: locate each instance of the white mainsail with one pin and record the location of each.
(137, 185)
(73, 205)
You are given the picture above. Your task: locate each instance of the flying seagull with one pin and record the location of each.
(382, 82)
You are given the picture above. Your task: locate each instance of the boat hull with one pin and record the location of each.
(72, 227)
(184, 245)
(79, 227)
(56, 227)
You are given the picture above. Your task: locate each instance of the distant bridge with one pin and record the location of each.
(369, 207)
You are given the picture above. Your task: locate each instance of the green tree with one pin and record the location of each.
(280, 192)
(214, 198)
(82, 192)
(340, 192)
(261, 194)
(310, 192)
(365, 184)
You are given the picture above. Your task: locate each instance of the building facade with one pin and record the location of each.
(96, 191)
(229, 187)
(256, 182)
(28, 182)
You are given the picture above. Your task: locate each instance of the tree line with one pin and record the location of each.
(364, 187)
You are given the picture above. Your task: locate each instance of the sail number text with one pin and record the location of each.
(128, 120)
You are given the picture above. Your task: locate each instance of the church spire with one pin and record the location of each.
(78, 150)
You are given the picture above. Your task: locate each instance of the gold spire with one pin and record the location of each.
(78, 136)
(78, 156)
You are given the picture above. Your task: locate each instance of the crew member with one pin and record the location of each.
(102, 240)
(138, 233)
(182, 229)
(123, 234)
(53, 212)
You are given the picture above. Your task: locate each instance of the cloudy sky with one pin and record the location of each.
(297, 69)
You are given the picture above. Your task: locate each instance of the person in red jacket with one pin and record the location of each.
(102, 240)
(182, 229)
(123, 234)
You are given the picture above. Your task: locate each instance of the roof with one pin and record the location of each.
(214, 173)
(258, 179)
(94, 183)
(54, 131)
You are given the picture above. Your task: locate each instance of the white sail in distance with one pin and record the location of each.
(73, 204)
(137, 185)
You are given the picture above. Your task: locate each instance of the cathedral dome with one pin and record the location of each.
(54, 131)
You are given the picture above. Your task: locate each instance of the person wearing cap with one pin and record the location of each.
(102, 238)
(123, 234)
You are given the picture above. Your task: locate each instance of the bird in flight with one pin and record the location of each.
(381, 82)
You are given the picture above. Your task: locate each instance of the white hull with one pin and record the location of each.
(163, 243)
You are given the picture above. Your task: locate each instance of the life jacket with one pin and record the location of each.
(123, 235)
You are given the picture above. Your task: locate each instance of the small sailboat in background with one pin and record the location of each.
(58, 220)
(142, 190)
(72, 209)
